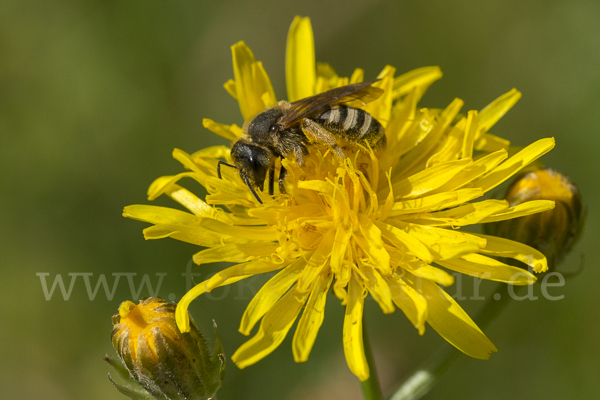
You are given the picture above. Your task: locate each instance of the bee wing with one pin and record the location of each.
(357, 94)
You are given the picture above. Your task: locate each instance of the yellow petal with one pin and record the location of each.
(404, 131)
(202, 170)
(490, 143)
(450, 147)
(269, 293)
(311, 320)
(378, 288)
(309, 234)
(450, 320)
(442, 243)
(420, 78)
(357, 76)
(384, 212)
(402, 240)
(162, 184)
(415, 160)
(520, 210)
(232, 186)
(316, 185)
(352, 331)
(343, 81)
(428, 179)
(484, 267)
(416, 124)
(471, 172)
(316, 263)
(300, 60)
(515, 163)
(501, 247)
(273, 329)
(231, 88)
(188, 162)
(237, 272)
(213, 152)
(372, 244)
(434, 201)
(327, 78)
(159, 215)
(273, 214)
(341, 281)
(470, 132)
(232, 200)
(381, 108)
(263, 85)
(429, 272)
(251, 81)
(250, 102)
(224, 277)
(468, 214)
(338, 250)
(171, 216)
(190, 234)
(201, 209)
(236, 252)
(497, 108)
(411, 302)
(220, 129)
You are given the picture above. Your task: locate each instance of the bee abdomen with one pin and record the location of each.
(353, 125)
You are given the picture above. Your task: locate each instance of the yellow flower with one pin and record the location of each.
(372, 224)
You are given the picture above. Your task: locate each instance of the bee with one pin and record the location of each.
(287, 129)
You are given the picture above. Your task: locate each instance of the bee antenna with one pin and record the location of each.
(244, 177)
(251, 188)
(219, 167)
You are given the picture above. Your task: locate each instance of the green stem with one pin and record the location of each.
(370, 387)
(425, 377)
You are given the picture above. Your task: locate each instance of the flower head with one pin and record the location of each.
(165, 362)
(380, 224)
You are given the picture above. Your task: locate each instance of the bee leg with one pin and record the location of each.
(247, 181)
(271, 180)
(299, 152)
(316, 133)
(219, 167)
(282, 175)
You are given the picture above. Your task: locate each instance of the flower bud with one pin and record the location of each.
(168, 364)
(552, 232)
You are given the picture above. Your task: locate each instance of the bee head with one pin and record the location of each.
(264, 124)
(252, 160)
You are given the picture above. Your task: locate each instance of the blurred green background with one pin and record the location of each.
(94, 95)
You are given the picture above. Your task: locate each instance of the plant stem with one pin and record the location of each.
(370, 387)
(425, 377)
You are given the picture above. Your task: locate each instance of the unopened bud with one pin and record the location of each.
(168, 364)
(552, 232)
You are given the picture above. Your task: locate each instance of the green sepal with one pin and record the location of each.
(130, 388)
(217, 361)
(117, 366)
